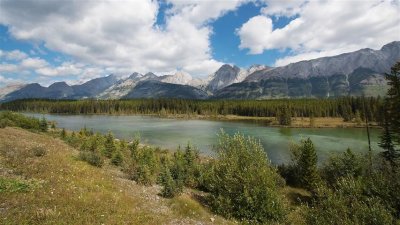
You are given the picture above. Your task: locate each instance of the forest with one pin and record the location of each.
(346, 107)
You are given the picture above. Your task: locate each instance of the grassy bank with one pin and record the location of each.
(56, 188)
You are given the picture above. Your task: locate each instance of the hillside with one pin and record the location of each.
(59, 189)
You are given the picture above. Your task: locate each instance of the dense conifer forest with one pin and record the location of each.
(346, 107)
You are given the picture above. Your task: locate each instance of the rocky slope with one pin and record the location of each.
(157, 89)
(227, 75)
(355, 73)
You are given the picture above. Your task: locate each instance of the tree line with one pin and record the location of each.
(349, 108)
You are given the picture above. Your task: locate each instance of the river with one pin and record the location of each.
(169, 133)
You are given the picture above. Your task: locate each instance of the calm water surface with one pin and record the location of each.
(169, 133)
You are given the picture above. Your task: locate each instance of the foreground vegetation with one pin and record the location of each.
(238, 184)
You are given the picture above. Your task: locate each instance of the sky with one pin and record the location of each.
(46, 41)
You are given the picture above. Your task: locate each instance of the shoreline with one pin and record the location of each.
(297, 122)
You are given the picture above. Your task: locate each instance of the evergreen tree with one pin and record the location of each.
(390, 138)
(43, 124)
(109, 146)
(63, 133)
(133, 147)
(170, 187)
(117, 158)
(393, 102)
(386, 142)
(306, 164)
(284, 116)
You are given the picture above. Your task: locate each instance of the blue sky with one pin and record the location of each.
(74, 41)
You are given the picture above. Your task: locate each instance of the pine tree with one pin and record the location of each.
(390, 154)
(393, 101)
(307, 165)
(43, 124)
(63, 133)
(109, 146)
(117, 158)
(169, 185)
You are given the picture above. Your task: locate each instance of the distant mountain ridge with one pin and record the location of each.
(355, 73)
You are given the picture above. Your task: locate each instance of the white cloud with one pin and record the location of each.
(201, 11)
(6, 67)
(120, 34)
(13, 55)
(287, 8)
(33, 63)
(323, 28)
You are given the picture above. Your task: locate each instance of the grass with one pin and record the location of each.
(57, 188)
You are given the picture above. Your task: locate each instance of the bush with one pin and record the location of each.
(93, 158)
(117, 158)
(243, 183)
(170, 187)
(346, 204)
(345, 164)
(18, 120)
(185, 166)
(145, 166)
(38, 151)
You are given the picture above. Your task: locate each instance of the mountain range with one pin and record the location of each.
(355, 73)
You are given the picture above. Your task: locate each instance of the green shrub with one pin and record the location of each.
(38, 151)
(18, 120)
(145, 166)
(117, 158)
(93, 158)
(13, 185)
(109, 145)
(342, 165)
(170, 187)
(346, 204)
(242, 181)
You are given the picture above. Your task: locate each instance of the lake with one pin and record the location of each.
(169, 133)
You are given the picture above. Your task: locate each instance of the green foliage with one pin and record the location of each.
(243, 183)
(332, 107)
(43, 124)
(392, 101)
(109, 145)
(185, 166)
(145, 166)
(304, 162)
(39, 151)
(117, 158)
(390, 139)
(93, 158)
(11, 119)
(13, 185)
(346, 204)
(133, 146)
(63, 134)
(170, 187)
(345, 164)
(284, 116)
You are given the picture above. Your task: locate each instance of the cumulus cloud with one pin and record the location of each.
(120, 34)
(322, 28)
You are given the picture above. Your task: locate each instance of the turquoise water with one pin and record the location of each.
(169, 133)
